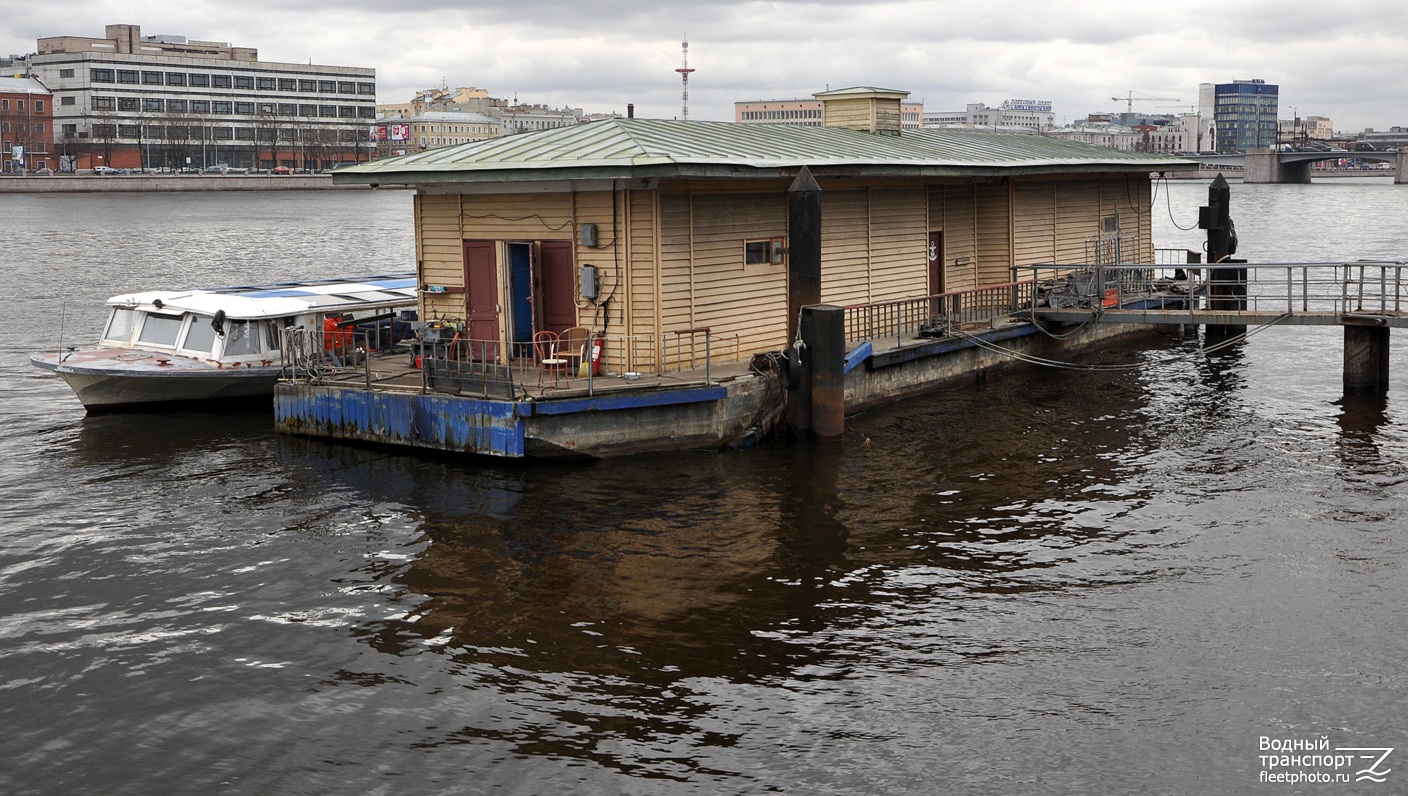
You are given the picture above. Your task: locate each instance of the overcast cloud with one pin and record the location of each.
(599, 56)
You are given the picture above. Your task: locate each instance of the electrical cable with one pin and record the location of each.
(1168, 200)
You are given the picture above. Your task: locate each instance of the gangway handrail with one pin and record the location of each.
(1325, 290)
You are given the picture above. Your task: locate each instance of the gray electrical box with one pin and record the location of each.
(588, 235)
(589, 281)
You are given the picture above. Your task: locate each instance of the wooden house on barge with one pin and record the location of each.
(665, 240)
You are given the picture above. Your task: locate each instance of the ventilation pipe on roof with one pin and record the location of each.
(630, 110)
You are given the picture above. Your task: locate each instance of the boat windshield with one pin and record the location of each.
(200, 336)
(160, 329)
(120, 325)
(242, 337)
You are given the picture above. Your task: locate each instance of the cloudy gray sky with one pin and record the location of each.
(599, 56)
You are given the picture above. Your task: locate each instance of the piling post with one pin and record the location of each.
(803, 282)
(803, 245)
(1365, 359)
(1227, 286)
(824, 369)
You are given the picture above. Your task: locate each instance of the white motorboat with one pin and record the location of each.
(184, 346)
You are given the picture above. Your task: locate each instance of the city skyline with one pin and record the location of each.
(945, 55)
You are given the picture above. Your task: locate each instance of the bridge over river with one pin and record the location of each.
(1269, 166)
(1366, 298)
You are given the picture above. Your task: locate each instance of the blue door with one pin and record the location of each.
(520, 262)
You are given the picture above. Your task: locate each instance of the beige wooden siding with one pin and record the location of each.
(1034, 222)
(855, 114)
(936, 207)
(595, 208)
(676, 273)
(1077, 218)
(899, 239)
(960, 239)
(643, 296)
(518, 217)
(993, 216)
(441, 254)
(845, 252)
(1128, 195)
(745, 307)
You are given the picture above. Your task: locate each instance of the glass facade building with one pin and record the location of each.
(1244, 115)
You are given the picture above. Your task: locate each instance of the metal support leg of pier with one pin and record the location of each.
(1365, 359)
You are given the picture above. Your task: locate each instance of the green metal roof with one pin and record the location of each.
(643, 148)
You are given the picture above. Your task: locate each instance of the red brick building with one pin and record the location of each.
(26, 125)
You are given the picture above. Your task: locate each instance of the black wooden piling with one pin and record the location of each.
(824, 375)
(803, 283)
(1365, 359)
(803, 246)
(1227, 285)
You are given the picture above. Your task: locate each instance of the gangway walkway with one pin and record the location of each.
(1231, 294)
(1365, 297)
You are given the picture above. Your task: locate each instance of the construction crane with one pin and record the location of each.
(1129, 99)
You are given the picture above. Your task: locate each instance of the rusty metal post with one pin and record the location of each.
(1366, 359)
(823, 369)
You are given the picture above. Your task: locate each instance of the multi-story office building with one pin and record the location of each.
(1244, 115)
(807, 113)
(130, 101)
(26, 125)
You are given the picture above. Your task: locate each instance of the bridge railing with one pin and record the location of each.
(1366, 287)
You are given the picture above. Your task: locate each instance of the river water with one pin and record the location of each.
(1056, 582)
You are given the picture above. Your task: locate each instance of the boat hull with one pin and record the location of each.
(125, 379)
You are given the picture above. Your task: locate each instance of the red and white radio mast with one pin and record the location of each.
(684, 71)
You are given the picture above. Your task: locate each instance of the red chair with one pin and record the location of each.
(551, 363)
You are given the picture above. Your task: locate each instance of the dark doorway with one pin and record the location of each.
(520, 291)
(936, 263)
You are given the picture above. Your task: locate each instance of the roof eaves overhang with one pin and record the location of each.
(735, 171)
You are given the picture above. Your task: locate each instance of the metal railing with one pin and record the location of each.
(1331, 289)
(1109, 248)
(447, 361)
(1177, 256)
(312, 355)
(939, 314)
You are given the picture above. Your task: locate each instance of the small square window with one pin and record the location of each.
(757, 252)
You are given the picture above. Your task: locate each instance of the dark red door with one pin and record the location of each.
(936, 263)
(481, 298)
(557, 286)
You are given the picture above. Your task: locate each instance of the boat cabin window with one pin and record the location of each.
(160, 329)
(120, 325)
(242, 337)
(200, 336)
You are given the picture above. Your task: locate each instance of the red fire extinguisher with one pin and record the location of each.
(598, 348)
